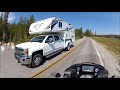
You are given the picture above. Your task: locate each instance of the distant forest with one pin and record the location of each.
(109, 36)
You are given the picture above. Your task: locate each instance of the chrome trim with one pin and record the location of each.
(20, 51)
(23, 59)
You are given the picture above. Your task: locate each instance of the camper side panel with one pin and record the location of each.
(60, 26)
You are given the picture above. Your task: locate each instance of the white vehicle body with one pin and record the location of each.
(61, 31)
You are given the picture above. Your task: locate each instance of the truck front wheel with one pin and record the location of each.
(37, 60)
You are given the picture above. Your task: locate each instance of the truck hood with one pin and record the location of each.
(30, 45)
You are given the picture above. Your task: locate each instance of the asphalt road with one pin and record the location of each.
(86, 52)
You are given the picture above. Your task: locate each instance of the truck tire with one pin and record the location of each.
(68, 47)
(37, 60)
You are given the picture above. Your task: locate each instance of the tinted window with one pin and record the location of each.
(60, 24)
(38, 39)
(67, 28)
(49, 38)
(56, 38)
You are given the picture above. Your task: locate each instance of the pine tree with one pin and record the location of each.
(78, 33)
(29, 22)
(5, 27)
(1, 23)
(87, 33)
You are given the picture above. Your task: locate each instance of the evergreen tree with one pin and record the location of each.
(87, 33)
(29, 22)
(78, 33)
(1, 26)
(5, 27)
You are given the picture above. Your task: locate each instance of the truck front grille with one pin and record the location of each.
(19, 51)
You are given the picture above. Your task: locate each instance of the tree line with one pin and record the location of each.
(79, 33)
(15, 32)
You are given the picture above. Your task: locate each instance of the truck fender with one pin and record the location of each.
(38, 51)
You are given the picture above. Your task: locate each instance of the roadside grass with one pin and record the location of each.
(78, 37)
(111, 44)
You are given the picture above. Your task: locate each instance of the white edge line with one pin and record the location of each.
(98, 54)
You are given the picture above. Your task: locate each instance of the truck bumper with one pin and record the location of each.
(23, 59)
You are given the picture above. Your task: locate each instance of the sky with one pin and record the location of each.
(101, 22)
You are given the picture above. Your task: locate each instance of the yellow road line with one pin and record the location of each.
(52, 63)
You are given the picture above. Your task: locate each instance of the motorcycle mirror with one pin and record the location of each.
(55, 74)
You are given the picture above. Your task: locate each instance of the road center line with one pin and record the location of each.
(40, 73)
(98, 54)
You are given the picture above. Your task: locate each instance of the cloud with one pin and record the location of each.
(11, 16)
(0, 13)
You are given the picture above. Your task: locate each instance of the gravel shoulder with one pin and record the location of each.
(109, 60)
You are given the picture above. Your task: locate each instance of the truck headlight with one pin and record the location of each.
(26, 51)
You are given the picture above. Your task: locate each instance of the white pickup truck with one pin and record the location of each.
(32, 52)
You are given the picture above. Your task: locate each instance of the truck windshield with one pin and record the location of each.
(38, 39)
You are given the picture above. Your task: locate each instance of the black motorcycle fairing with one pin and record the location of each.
(75, 71)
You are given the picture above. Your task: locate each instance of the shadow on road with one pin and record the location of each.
(55, 55)
(45, 59)
(49, 58)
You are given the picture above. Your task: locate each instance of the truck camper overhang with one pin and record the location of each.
(46, 26)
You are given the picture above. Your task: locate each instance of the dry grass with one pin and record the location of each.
(111, 44)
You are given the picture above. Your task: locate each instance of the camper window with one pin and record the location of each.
(60, 24)
(67, 28)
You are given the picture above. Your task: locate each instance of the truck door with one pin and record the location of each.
(58, 42)
(50, 45)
